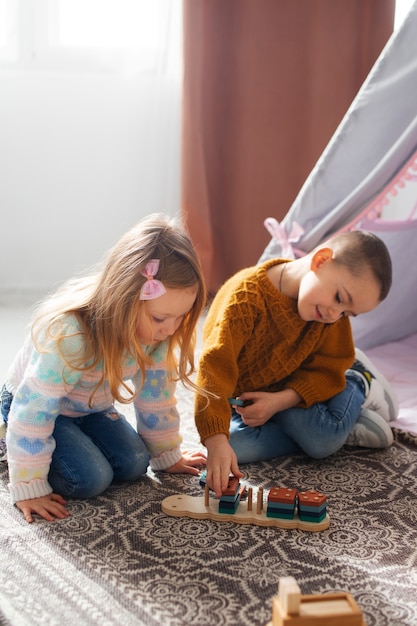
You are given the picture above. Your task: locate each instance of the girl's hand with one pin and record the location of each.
(49, 507)
(190, 463)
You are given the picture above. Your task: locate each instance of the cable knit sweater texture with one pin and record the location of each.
(255, 340)
(41, 393)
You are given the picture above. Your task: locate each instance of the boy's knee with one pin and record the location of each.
(321, 450)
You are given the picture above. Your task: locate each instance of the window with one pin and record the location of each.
(90, 35)
(8, 31)
(105, 24)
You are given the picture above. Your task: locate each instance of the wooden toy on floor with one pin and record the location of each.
(281, 511)
(290, 608)
(281, 502)
(231, 496)
(312, 506)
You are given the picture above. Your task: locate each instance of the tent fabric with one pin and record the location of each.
(374, 145)
(399, 198)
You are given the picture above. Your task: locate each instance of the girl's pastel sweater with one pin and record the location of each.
(43, 387)
(255, 340)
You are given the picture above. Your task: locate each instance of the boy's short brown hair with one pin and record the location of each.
(359, 248)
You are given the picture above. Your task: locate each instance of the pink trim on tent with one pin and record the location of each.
(373, 211)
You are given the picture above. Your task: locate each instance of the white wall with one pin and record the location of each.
(83, 156)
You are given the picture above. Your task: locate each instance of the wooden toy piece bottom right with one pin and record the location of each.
(290, 608)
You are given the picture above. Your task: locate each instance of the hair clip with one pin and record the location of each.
(151, 288)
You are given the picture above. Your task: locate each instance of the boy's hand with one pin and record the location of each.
(50, 507)
(221, 462)
(190, 463)
(262, 405)
(260, 408)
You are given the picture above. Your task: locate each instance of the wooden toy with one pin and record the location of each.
(311, 506)
(281, 502)
(290, 608)
(231, 496)
(179, 505)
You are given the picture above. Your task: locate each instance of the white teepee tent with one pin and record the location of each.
(367, 178)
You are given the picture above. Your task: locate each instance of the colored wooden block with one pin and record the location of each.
(280, 514)
(232, 487)
(282, 494)
(311, 498)
(278, 506)
(313, 509)
(278, 510)
(312, 518)
(231, 497)
(229, 507)
(312, 506)
(203, 477)
(242, 491)
(281, 502)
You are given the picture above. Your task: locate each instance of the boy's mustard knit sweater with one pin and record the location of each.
(255, 340)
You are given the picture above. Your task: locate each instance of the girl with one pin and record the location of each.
(278, 336)
(124, 333)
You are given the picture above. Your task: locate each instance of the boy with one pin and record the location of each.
(278, 337)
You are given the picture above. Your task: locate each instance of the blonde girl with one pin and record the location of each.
(124, 333)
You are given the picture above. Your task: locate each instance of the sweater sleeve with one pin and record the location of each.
(157, 418)
(229, 324)
(35, 406)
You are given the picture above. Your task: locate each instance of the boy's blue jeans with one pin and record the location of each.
(91, 451)
(317, 431)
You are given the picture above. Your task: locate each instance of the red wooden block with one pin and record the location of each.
(282, 495)
(232, 486)
(242, 491)
(311, 498)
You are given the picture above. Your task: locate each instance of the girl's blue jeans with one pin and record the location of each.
(317, 431)
(91, 451)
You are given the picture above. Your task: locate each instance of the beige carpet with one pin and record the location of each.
(118, 560)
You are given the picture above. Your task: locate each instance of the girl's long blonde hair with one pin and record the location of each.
(107, 305)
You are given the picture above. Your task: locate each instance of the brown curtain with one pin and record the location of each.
(266, 83)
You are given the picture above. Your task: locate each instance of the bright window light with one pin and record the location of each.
(3, 23)
(106, 23)
(124, 36)
(109, 35)
(8, 30)
(402, 7)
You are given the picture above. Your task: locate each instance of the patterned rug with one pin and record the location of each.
(118, 560)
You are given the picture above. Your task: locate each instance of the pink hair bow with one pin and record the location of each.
(278, 232)
(152, 288)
